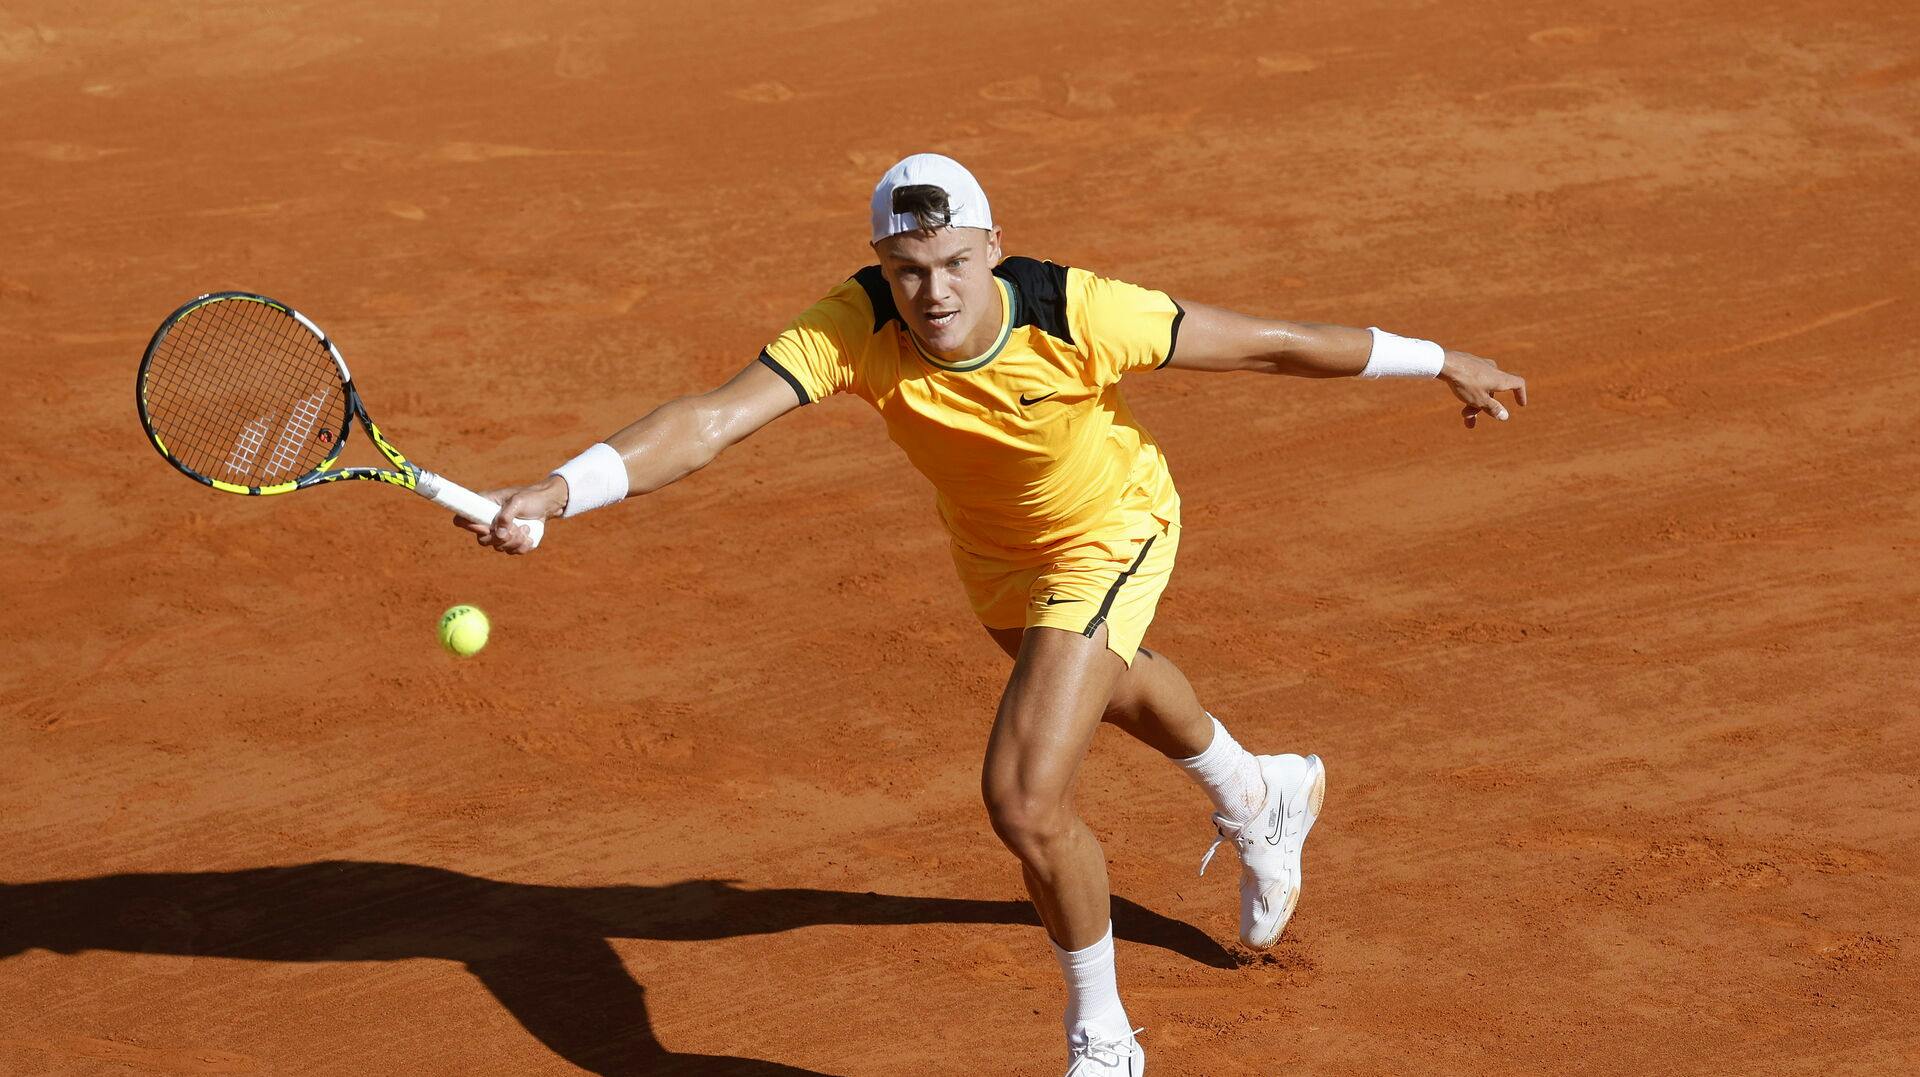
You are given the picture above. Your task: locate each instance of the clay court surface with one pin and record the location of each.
(1617, 699)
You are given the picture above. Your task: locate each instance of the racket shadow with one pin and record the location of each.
(543, 952)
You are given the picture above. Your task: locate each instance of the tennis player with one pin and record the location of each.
(1000, 378)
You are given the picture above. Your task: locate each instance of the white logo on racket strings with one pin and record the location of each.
(286, 451)
(252, 436)
(293, 436)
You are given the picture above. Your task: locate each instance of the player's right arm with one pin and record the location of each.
(671, 442)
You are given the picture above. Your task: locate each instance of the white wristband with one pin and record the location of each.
(1403, 357)
(595, 479)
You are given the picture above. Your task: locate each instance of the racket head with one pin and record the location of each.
(245, 394)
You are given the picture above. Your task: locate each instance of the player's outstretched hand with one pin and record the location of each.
(1476, 381)
(543, 500)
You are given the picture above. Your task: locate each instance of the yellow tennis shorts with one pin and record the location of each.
(1116, 584)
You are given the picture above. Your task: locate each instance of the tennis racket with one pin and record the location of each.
(245, 394)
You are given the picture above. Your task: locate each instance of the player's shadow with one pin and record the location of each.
(541, 950)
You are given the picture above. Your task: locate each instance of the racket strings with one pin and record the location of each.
(243, 392)
(200, 388)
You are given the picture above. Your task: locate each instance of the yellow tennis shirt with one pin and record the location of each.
(1031, 447)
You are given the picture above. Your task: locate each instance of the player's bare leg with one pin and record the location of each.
(1155, 705)
(1151, 701)
(1053, 703)
(1264, 805)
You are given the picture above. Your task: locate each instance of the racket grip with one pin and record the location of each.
(481, 510)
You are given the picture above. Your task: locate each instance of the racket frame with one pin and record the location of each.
(404, 473)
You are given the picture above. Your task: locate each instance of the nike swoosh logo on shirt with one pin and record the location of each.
(1026, 403)
(1055, 599)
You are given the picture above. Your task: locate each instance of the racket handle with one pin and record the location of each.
(481, 510)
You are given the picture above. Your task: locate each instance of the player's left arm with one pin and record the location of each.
(1211, 338)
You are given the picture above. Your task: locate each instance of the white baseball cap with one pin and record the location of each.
(965, 199)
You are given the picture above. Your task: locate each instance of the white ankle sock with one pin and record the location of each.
(1230, 774)
(1093, 992)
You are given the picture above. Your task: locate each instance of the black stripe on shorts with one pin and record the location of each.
(1114, 592)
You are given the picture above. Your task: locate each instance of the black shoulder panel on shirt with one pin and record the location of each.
(874, 283)
(1043, 294)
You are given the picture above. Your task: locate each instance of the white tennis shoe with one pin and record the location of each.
(1107, 1058)
(1270, 844)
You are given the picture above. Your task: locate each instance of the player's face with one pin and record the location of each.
(942, 282)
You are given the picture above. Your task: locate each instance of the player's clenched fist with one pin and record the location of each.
(540, 501)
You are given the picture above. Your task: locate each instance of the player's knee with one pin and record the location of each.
(1126, 705)
(1028, 823)
(1129, 707)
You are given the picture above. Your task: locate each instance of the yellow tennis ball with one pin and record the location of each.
(463, 630)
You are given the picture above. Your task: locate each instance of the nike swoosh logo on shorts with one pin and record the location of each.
(1056, 600)
(1025, 403)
